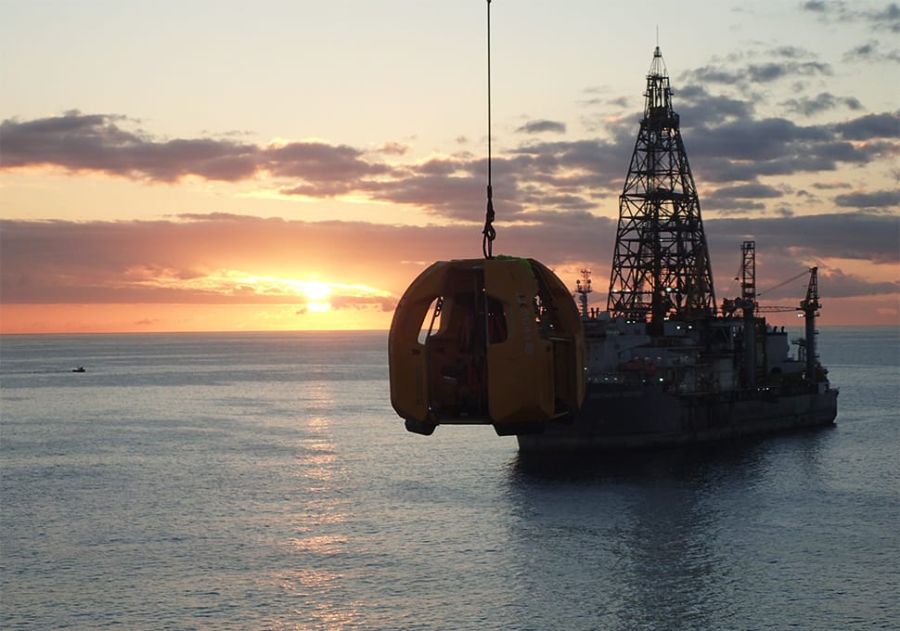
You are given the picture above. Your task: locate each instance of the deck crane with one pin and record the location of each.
(810, 306)
(749, 305)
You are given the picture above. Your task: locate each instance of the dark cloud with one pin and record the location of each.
(825, 186)
(542, 126)
(871, 126)
(562, 201)
(319, 161)
(871, 52)
(872, 199)
(545, 175)
(325, 170)
(737, 198)
(747, 191)
(570, 165)
(460, 197)
(863, 52)
(791, 52)
(714, 74)
(860, 236)
(732, 205)
(724, 139)
(80, 142)
(451, 186)
(765, 72)
(886, 19)
(744, 149)
(696, 104)
(751, 139)
(771, 71)
(784, 211)
(727, 143)
(96, 142)
(839, 284)
(833, 283)
(822, 102)
(731, 199)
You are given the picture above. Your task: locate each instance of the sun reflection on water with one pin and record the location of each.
(320, 544)
(313, 587)
(318, 526)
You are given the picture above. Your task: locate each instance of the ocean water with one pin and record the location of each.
(262, 481)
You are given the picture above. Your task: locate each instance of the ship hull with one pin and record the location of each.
(621, 419)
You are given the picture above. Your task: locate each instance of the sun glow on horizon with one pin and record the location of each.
(317, 294)
(227, 282)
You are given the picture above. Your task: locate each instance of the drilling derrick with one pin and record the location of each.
(661, 265)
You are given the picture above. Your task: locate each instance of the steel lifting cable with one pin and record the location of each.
(489, 233)
(782, 284)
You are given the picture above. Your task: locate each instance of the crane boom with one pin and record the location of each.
(810, 306)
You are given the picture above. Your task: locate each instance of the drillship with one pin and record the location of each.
(663, 366)
(500, 341)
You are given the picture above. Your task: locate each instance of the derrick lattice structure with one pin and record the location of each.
(748, 271)
(661, 266)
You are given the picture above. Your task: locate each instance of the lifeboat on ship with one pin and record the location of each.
(495, 341)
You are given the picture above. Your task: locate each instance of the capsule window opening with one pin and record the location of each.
(431, 323)
(496, 321)
(456, 336)
(469, 318)
(458, 326)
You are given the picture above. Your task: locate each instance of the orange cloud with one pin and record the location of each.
(350, 274)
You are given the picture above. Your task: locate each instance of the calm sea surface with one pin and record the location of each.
(250, 481)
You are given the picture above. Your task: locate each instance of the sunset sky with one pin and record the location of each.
(189, 166)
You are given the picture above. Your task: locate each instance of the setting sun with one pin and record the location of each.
(314, 290)
(316, 296)
(315, 293)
